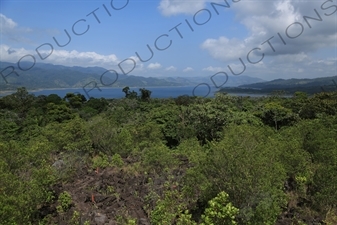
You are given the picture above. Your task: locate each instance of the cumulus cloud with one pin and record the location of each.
(9, 54)
(224, 48)
(154, 66)
(72, 58)
(174, 7)
(61, 57)
(289, 66)
(213, 69)
(6, 23)
(171, 68)
(81, 58)
(188, 69)
(265, 19)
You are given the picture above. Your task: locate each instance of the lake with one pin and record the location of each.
(157, 92)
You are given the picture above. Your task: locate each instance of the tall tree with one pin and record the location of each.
(145, 94)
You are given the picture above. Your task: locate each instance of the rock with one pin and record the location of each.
(144, 221)
(100, 218)
(58, 164)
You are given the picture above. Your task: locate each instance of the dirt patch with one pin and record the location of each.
(111, 195)
(103, 197)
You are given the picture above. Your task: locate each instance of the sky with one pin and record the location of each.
(162, 38)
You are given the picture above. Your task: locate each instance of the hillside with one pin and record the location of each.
(232, 81)
(45, 76)
(289, 86)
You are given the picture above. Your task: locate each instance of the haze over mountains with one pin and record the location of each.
(45, 76)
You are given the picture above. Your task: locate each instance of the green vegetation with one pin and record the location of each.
(186, 161)
(65, 201)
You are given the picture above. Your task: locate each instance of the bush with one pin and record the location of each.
(220, 211)
(65, 201)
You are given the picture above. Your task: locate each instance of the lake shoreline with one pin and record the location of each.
(49, 89)
(116, 92)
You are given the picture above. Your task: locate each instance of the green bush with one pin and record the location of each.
(220, 211)
(65, 201)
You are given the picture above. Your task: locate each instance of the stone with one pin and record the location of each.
(58, 164)
(100, 218)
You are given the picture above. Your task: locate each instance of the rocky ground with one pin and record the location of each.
(108, 196)
(111, 196)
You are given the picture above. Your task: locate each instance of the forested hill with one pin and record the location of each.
(227, 160)
(289, 86)
(218, 80)
(44, 76)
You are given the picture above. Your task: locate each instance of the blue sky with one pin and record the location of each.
(215, 46)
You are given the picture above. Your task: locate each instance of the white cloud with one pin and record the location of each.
(11, 31)
(264, 19)
(154, 66)
(60, 57)
(213, 69)
(8, 54)
(171, 68)
(295, 58)
(72, 58)
(188, 69)
(75, 57)
(224, 48)
(6, 23)
(283, 66)
(174, 7)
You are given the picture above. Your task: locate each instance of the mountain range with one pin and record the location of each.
(47, 76)
(288, 86)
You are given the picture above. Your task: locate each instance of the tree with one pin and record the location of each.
(245, 164)
(126, 90)
(220, 211)
(20, 101)
(9, 128)
(93, 107)
(54, 98)
(75, 101)
(321, 104)
(130, 94)
(145, 94)
(97, 104)
(58, 113)
(274, 114)
(184, 100)
(297, 101)
(206, 120)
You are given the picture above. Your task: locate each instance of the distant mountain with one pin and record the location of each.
(290, 86)
(44, 76)
(220, 81)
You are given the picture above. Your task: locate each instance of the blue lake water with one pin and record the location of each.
(157, 92)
